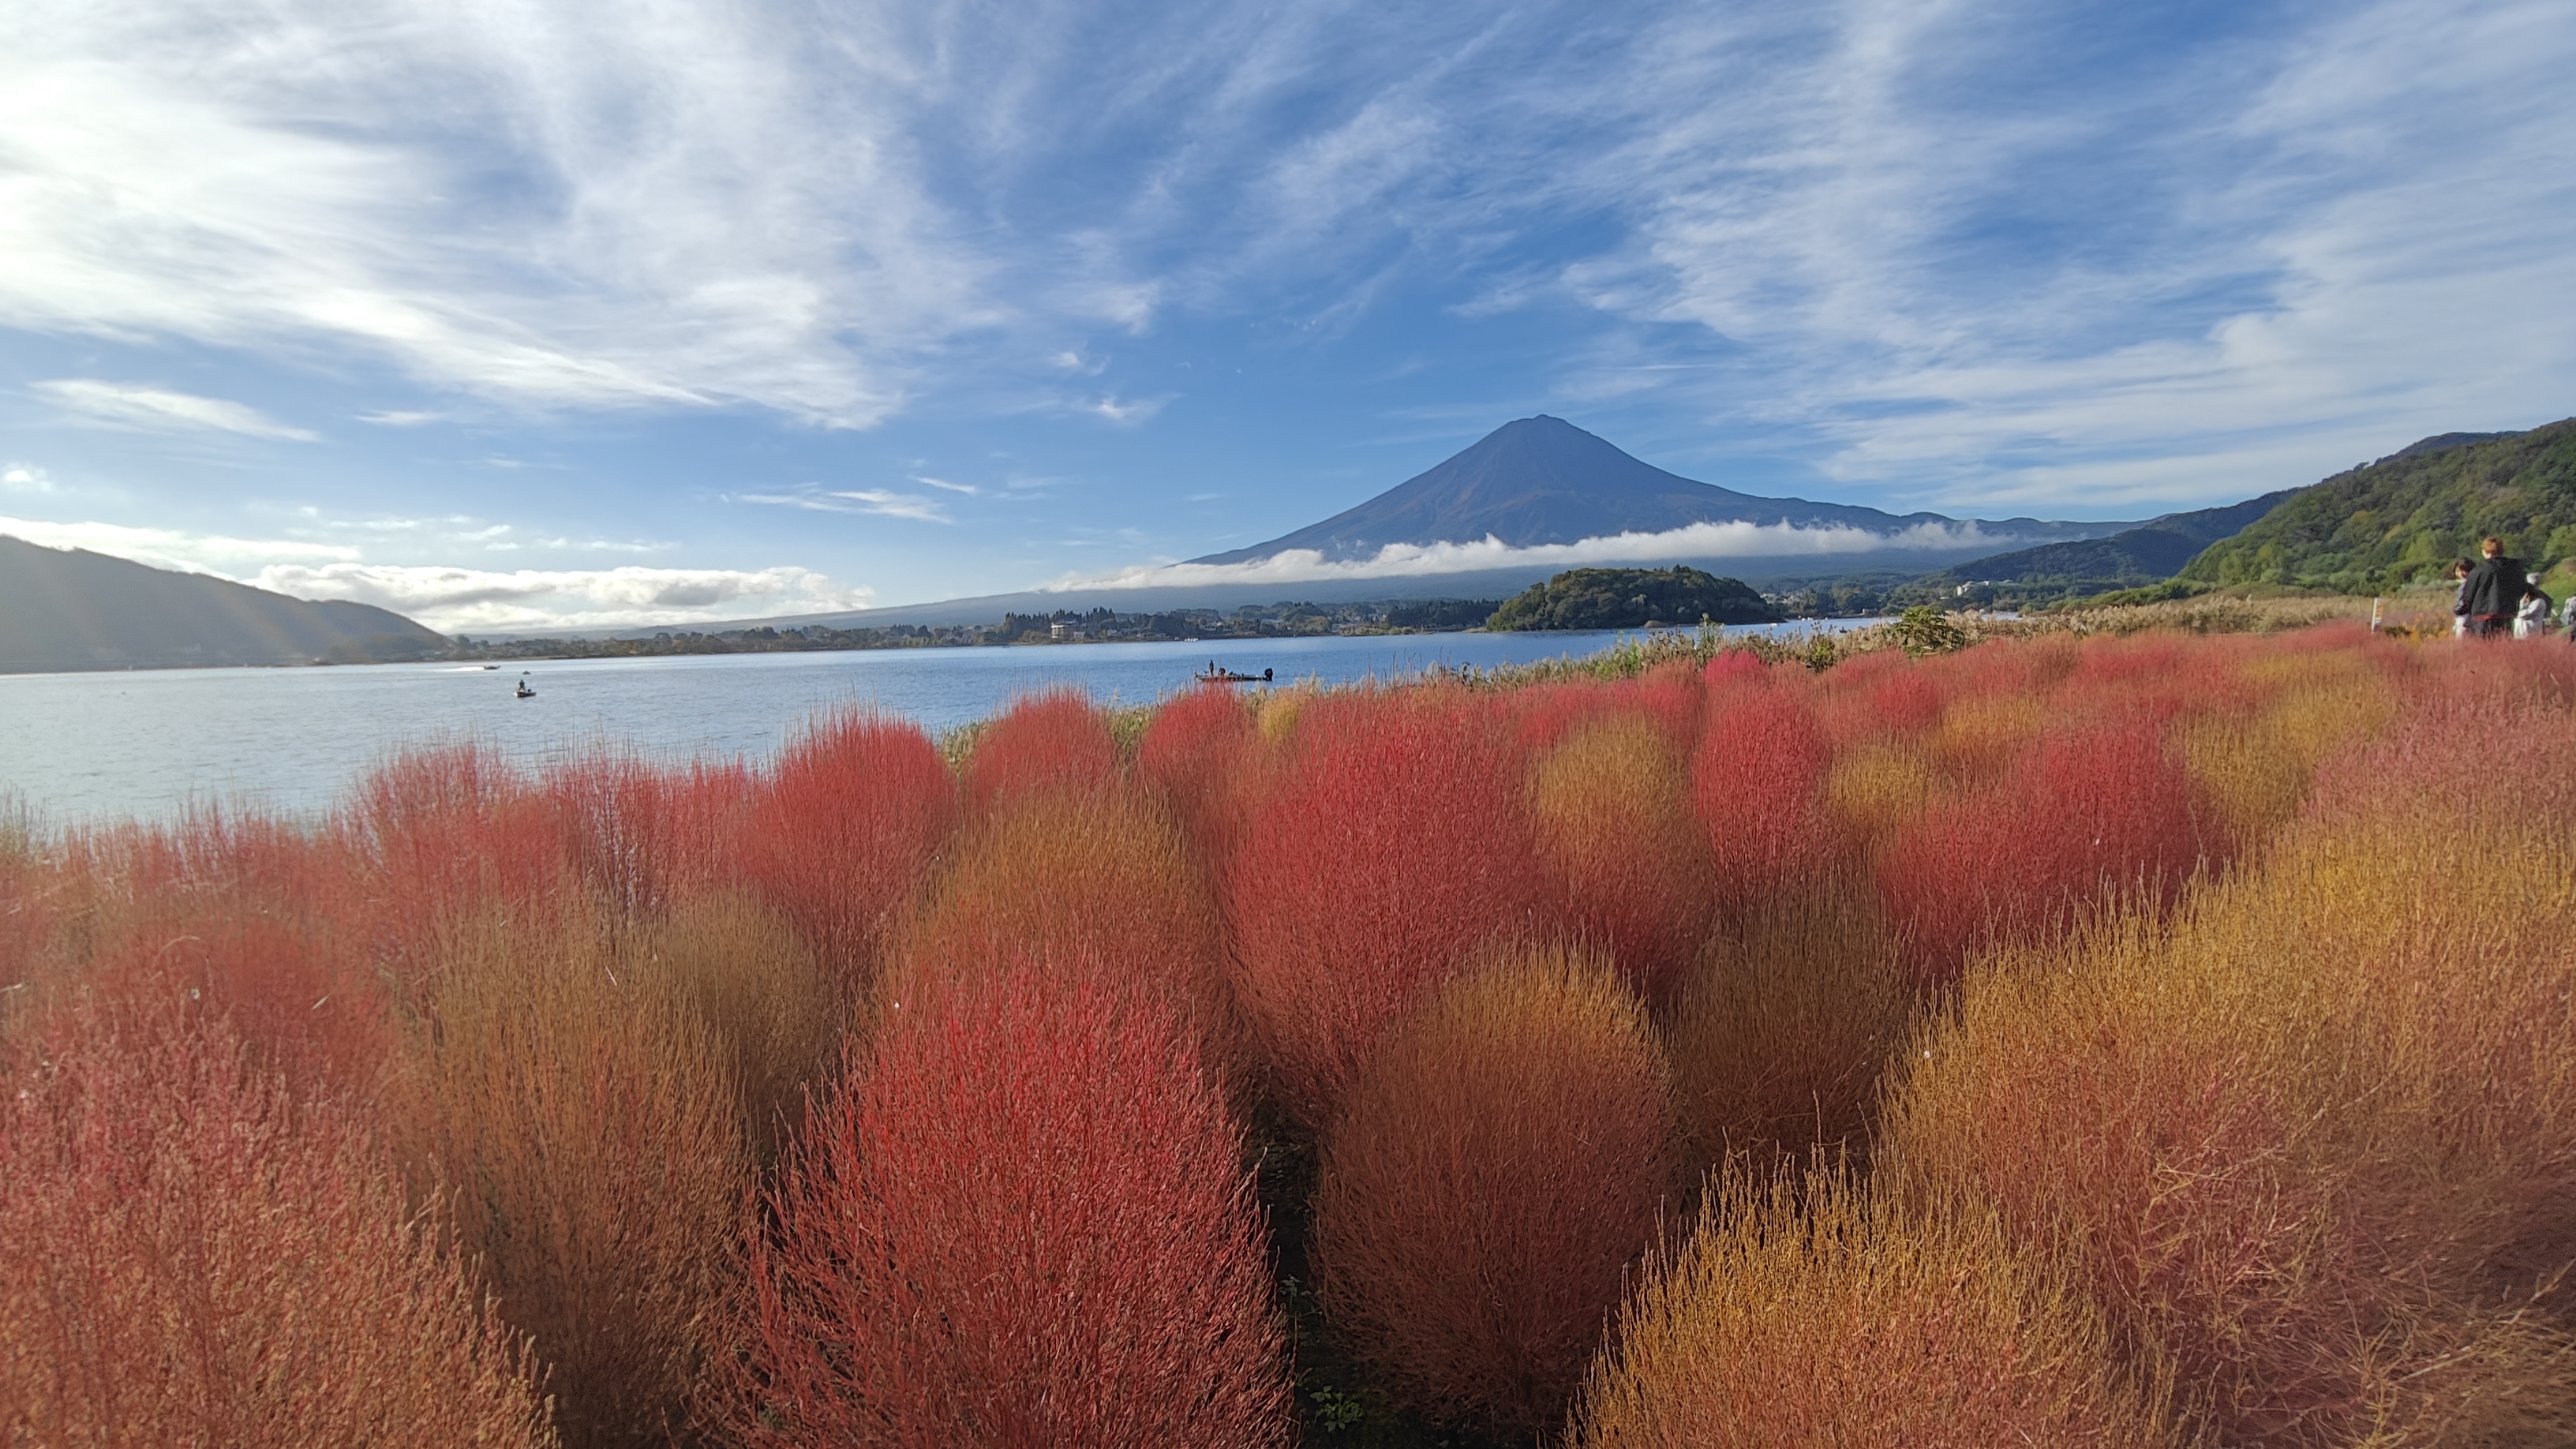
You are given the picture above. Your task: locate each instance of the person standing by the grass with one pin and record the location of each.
(2460, 597)
(2492, 594)
(2531, 621)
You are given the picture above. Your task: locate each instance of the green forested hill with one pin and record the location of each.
(2404, 518)
(1632, 599)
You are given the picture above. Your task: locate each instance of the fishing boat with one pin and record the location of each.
(524, 691)
(1214, 675)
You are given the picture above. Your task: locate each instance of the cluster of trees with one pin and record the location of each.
(1633, 599)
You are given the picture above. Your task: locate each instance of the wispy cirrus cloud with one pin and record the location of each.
(159, 410)
(175, 548)
(545, 206)
(882, 502)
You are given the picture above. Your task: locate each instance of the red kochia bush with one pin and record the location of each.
(844, 830)
(647, 838)
(438, 834)
(1669, 696)
(1053, 740)
(196, 1258)
(1755, 786)
(238, 915)
(2100, 810)
(1393, 842)
(308, 1009)
(1201, 756)
(1877, 694)
(1022, 1224)
(1496, 1169)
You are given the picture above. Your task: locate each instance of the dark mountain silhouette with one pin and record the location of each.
(2149, 553)
(67, 609)
(1544, 480)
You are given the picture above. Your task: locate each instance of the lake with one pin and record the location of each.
(148, 743)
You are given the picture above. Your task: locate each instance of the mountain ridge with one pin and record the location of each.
(65, 610)
(2149, 553)
(2403, 519)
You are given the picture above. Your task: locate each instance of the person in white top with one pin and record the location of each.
(2531, 620)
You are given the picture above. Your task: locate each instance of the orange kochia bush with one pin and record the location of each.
(1504, 1157)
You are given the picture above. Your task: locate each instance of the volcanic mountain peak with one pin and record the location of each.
(1542, 480)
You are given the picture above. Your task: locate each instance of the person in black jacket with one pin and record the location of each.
(2492, 592)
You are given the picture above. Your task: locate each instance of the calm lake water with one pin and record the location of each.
(148, 743)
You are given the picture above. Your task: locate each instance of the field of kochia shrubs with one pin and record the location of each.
(2162, 1041)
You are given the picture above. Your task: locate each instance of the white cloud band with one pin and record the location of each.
(473, 601)
(1408, 560)
(158, 410)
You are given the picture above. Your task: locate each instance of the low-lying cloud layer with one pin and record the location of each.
(1409, 560)
(472, 601)
(460, 599)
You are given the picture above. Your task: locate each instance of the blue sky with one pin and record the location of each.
(510, 313)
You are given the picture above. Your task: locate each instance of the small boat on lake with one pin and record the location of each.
(1214, 675)
(524, 691)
